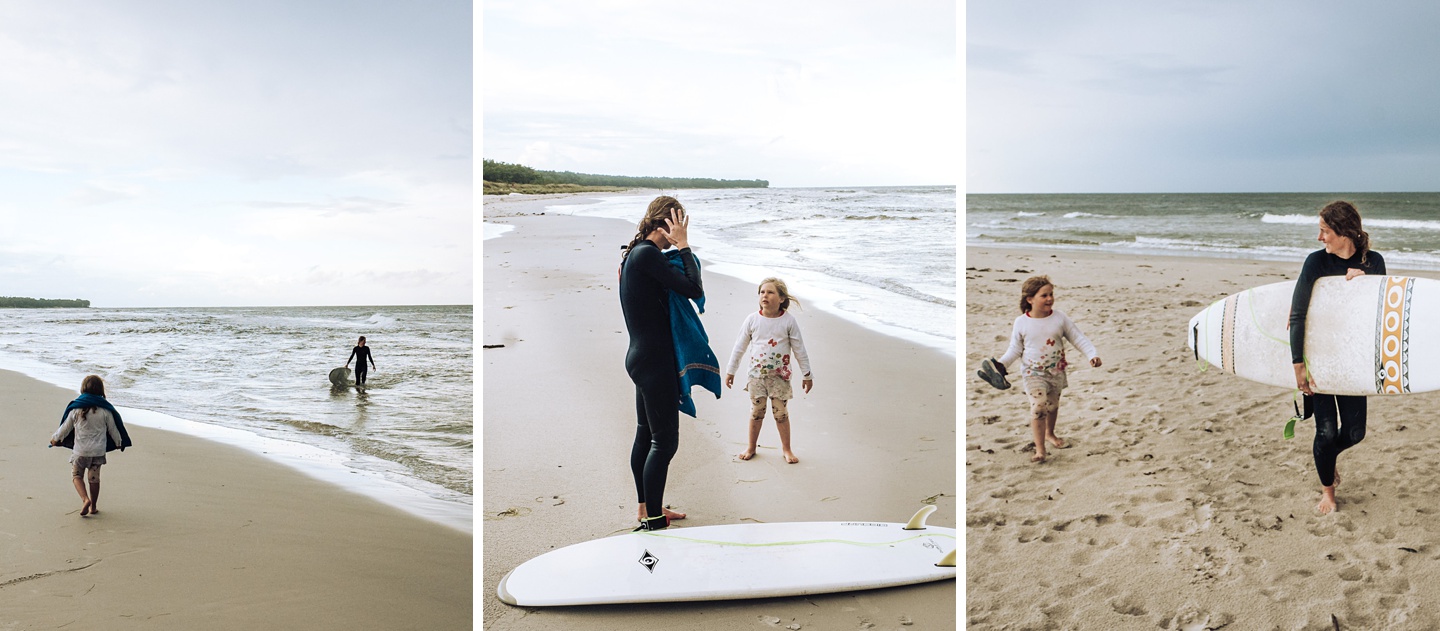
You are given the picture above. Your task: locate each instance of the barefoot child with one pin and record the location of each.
(768, 337)
(1039, 338)
(90, 426)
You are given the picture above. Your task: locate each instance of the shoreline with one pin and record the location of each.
(556, 473)
(817, 296)
(409, 495)
(197, 534)
(1178, 503)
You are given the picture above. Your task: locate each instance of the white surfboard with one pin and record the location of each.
(735, 561)
(340, 377)
(1366, 336)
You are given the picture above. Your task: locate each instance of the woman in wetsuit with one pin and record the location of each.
(1339, 420)
(646, 278)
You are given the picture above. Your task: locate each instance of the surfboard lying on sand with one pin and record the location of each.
(735, 561)
(1366, 336)
(340, 377)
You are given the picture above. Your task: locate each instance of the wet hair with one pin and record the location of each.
(780, 288)
(655, 217)
(1344, 220)
(1032, 286)
(362, 339)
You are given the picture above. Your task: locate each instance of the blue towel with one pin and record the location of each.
(92, 401)
(693, 357)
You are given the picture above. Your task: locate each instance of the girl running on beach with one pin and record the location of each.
(646, 277)
(1039, 338)
(90, 426)
(1347, 253)
(768, 337)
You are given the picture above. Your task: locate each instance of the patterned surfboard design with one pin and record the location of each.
(1372, 335)
(1392, 346)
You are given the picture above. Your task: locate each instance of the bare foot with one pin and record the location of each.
(749, 453)
(85, 510)
(1327, 503)
(790, 458)
(674, 516)
(1058, 442)
(1037, 458)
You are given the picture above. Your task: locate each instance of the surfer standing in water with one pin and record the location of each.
(646, 277)
(1038, 338)
(361, 353)
(1339, 420)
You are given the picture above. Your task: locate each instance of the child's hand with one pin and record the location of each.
(806, 385)
(729, 381)
(1095, 362)
(1351, 273)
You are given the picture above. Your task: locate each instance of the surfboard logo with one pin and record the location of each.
(649, 561)
(1392, 344)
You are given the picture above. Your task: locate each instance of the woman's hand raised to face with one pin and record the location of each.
(677, 228)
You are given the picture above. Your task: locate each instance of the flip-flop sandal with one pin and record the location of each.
(991, 375)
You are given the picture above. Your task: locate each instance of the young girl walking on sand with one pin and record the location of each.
(1039, 338)
(90, 426)
(768, 337)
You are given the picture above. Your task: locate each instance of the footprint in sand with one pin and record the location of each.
(1128, 604)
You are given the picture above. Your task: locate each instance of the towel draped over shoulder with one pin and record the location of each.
(694, 360)
(93, 401)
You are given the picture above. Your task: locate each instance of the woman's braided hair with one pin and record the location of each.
(655, 217)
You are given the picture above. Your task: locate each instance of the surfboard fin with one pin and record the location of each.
(948, 561)
(918, 521)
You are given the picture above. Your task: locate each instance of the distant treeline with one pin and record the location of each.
(11, 302)
(521, 174)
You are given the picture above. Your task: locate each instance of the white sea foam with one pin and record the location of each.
(852, 253)
(261, 372)
(495, 230)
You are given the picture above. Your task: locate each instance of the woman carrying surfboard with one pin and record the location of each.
(646, 278)
(1339, 419)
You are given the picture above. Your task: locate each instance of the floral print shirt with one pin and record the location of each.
(1041, 343)
(768, 344)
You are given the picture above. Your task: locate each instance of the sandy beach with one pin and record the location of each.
(875, 437)
(194, 534)
(1178, 504)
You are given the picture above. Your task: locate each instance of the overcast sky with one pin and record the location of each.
(1215, 96)
(227, 152)
(800, 93)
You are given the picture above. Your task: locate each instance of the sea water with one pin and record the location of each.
(1404, 227)
(257, 378)
(883, 257)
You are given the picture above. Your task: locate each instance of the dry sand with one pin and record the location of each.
(194, 534)
(1178, 504)
(875, 436)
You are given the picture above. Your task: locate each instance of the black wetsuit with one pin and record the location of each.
(646, 277)
(1331, 437)
(361, 353)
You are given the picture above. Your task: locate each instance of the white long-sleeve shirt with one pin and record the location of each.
(1040, 342)
(768, 343)
(90, 431)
